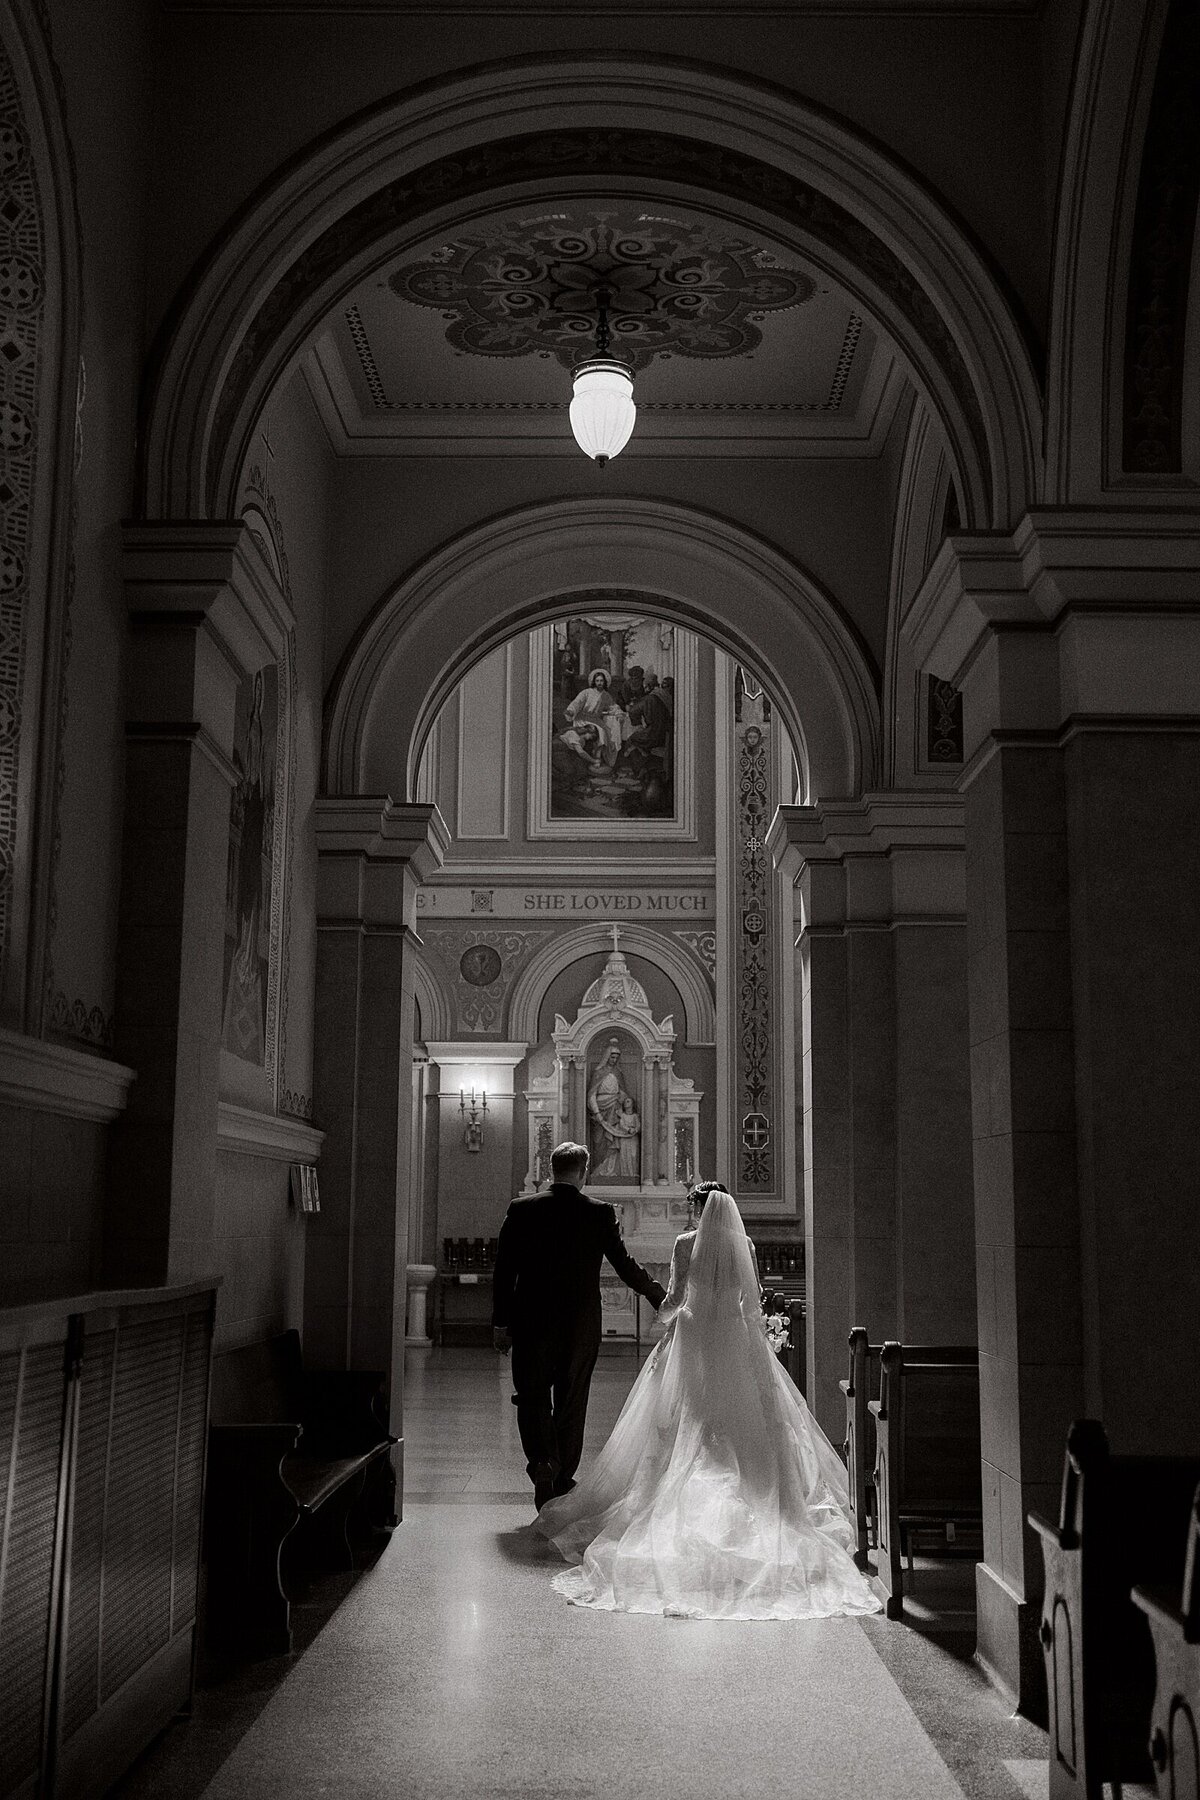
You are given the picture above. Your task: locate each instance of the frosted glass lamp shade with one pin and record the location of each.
(602, 411)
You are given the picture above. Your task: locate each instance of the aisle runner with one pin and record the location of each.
(454, 1670)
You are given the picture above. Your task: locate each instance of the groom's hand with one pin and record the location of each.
(501, 1339)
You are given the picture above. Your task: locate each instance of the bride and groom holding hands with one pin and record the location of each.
(717, 1495)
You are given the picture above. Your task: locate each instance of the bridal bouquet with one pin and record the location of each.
(776, 1327)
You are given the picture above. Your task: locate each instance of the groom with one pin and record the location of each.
(547, 1310)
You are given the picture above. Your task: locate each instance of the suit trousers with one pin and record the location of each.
(552, 1377)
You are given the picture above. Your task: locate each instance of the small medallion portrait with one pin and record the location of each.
(479, 965)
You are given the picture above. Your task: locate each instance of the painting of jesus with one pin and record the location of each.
(612, 735)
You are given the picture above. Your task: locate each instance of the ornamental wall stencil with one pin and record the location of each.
(518, 287)
(703, 946)
(562, 156)
(754, 1078)
(944, 723)
(22, 307)
(477, 966)
(382, 401)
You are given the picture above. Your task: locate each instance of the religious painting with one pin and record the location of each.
(612, 738)
(250, 869)
(614, 1121)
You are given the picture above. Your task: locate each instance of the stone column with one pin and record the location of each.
(883, 1073)
(1076, 641)
(204, 611)
(372, 856)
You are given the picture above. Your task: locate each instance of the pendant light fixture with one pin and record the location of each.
(602, 409)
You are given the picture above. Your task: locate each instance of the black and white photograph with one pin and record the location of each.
(612, 745)
(599, 899)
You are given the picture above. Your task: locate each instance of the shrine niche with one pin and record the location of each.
(614, 1088)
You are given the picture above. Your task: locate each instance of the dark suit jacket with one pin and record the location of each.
(546, 1282)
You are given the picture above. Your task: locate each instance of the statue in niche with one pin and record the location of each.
(605, 1100)
(630, 1127)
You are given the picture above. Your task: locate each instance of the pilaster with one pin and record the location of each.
(880, 894)
(1076, 641)
(204, 611)
(372, 856)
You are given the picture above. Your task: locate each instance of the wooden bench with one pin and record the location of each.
(859, 1388)
(287, 1445)
(927, 1452)
(1175, 1631)
(795, 1357)
(1122, 1520)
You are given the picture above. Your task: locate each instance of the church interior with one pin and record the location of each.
(623, 571)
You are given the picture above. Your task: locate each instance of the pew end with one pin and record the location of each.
(858, 1449)
(1174, 1623)
(291, 1450)
(927, 1453)
(1123, 1522)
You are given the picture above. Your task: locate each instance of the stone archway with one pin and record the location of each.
(507, 132)
(40, 396)
(514, 572)
(1119, 419)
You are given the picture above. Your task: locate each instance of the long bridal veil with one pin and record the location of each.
(717, 1495)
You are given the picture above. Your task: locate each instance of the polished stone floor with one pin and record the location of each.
(451, 1668)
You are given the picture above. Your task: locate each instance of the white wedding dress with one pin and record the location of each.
(717, 1495)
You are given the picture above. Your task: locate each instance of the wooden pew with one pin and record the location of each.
(286, 1445)
(927, 1450)
(795, 1357)
(1175, 1630)
(1122, 1519)
(797, 1354)
(860, 1386)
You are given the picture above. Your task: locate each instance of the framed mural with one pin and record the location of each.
(613, 695)
(253, 889)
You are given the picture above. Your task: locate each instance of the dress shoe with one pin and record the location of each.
(562, 1487)
(543, 1484)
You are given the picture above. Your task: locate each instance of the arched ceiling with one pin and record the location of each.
(466, 341)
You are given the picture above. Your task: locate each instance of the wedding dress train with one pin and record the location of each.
(717, 1495)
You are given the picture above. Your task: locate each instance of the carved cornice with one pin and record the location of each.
(272, 1135)
(49, 1077)
(874, 863)
(372, 856)
(1137, 562)
(214, 577)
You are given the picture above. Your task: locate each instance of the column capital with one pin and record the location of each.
(205, 610)
(1078, 612)
(213, 577)
(883, 859)
(372, 855)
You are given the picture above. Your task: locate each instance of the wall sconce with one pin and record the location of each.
(473, 1118)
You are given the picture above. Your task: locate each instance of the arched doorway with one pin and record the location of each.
(727, 557)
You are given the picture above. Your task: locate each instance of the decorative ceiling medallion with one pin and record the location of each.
(543, 157)
(520, 287)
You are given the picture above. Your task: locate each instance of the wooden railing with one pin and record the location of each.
(103, 1424)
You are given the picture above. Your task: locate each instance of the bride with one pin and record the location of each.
(717, 1495)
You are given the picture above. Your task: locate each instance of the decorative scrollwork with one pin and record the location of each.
(76, 1019)
(509, 288)
(703, 946)
(610, 151)
(480, 964)
(755, 1036)
(22, 297)
(945, 723)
